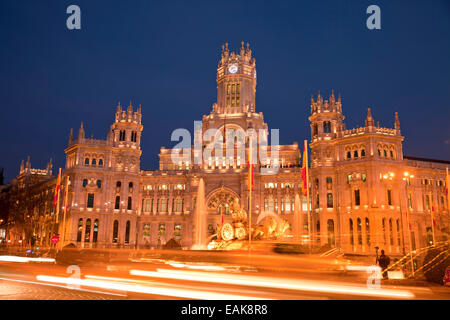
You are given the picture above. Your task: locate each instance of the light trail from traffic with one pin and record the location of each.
(276, 283)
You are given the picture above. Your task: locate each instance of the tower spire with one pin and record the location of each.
(369, 119)
(81, 131)
(397, 122)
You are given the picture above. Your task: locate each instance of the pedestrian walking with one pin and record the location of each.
(383, 262)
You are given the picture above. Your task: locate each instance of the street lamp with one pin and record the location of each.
(407, 178)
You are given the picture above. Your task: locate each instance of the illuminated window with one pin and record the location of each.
(87, 232)
(95, 234)
(115, 237)
(329, 200)
(80, 230)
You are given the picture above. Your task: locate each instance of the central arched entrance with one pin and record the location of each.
(220, 201)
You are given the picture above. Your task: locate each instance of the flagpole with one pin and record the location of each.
(307, 196)
(250, 181)
(432, 219)
(447, 185)
(66, 198)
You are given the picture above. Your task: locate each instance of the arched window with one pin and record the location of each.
(115, 231)
(177, 232)
(327, 127)
(127, 232)
(130, 185)
(118, 184)
(363, 152)
(385, 153)
(367, 232)
(85, 182)
(99, 183)
(330, 228)
(87, 232)
(94, 162)
(95, 234)
(86, 161)
(100, 162)
(355, 154)
(80, 230)
(349, 155)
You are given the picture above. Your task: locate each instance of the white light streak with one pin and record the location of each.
(278, 283)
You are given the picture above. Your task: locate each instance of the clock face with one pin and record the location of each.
(233, 68)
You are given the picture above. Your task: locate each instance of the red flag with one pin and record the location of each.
(305, 184)
(57, 188)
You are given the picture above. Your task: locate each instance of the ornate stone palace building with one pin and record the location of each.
(362, 186)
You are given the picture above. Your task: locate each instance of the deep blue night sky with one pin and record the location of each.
(164, 54)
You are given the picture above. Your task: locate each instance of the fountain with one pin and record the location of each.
(298, 220)
(235, 235)
(200, 239)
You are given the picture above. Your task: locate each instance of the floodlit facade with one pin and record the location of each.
(363, 190)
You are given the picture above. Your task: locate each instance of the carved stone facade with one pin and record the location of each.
(360, 194)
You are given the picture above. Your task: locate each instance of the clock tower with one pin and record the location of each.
(236, 81)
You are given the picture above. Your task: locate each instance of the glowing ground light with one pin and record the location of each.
(153, 289)
(24, 259)
(290, 284)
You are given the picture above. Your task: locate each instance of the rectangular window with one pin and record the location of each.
(129, 203)
(389, 196)
(148, 203)
(90, 200)
(357, 197)
(177, 232)
(117, 203)
(410, 201)
(329, 200)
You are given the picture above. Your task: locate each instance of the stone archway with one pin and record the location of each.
(220, 200)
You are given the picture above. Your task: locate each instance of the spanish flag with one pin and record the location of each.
(304, 168)
(57, 188)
